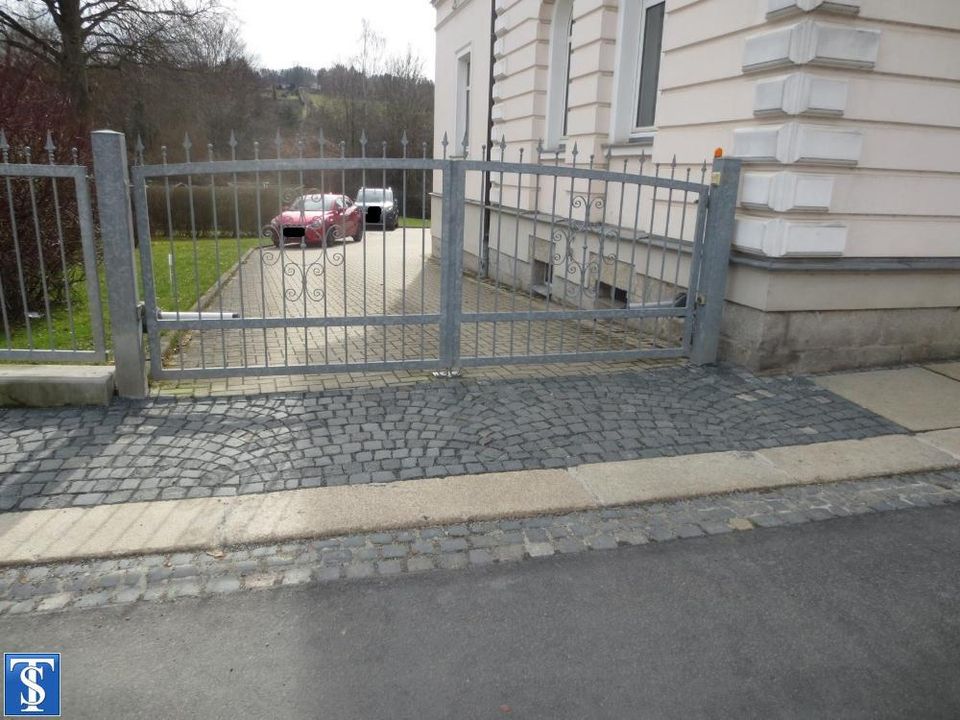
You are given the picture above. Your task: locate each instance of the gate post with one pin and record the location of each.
(451, 266)
(715, 262)
(116, 229)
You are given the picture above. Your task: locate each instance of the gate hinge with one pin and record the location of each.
(701, 300)
(142, 315)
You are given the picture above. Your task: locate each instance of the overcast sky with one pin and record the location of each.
(318, 33)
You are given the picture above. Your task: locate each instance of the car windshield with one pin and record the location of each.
(371, 195)
(314, 203)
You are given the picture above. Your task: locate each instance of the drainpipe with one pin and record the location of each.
(485, 243)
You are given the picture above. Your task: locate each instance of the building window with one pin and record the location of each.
(558, 90)
(637, 74)
(649, 64)
(462, 137)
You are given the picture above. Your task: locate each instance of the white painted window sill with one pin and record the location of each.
(635, 147)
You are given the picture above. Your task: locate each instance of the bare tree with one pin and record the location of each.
(370, 58)
(75, 36)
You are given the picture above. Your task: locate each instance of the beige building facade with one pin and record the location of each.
(845, 114)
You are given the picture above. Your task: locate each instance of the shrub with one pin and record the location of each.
(33, 107)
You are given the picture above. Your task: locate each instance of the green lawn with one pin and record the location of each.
(412, 222)
(193, 269)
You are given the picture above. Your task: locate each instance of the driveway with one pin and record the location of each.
(388, 273)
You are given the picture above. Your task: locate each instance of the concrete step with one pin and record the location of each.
(55, 385)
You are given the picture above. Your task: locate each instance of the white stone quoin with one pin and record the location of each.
(786, 191)
(812, 42)
(779, 237)
(800, 94)
(781, 8)
(796, 142)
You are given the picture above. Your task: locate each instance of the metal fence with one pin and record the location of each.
(590, 263)
(320, 289)
(546, 261)
(254, 265)
(49, 287)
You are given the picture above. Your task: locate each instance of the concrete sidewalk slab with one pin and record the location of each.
(857, 459)
(946, 440)
(671, 478)
(950, 369)
(916, 398)
(175, 525)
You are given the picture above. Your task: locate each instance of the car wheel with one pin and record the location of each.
(361, 228)
(330, 236)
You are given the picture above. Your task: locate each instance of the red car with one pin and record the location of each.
(318, 219)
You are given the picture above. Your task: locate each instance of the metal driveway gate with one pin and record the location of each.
(555, 260)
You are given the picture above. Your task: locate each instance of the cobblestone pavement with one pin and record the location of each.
(166, 577)
(168, 449)
(319, 382)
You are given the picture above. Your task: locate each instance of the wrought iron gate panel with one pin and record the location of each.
(290, 308)
(567, 262)
(577, 272)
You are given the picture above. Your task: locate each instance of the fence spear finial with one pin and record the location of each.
(403, 138)
(138, 149)
(50, 148)
(4, 146)
(444, 143)
(187, 145)
(321, 138)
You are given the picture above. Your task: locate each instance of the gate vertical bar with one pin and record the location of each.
(451, 265)
(715, 262)
(116, 229)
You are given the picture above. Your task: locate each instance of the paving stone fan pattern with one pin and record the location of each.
(166, 448)
(99, 583)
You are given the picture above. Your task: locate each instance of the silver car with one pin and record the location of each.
(379, 207)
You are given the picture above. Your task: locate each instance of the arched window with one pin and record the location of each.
(558, 89)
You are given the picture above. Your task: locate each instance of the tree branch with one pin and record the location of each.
(33, 50)
(7, 20)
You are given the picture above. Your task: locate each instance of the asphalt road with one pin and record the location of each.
(854, 618)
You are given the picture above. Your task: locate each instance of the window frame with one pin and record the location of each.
(558, 82)
(464, 90)
(632, 24)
